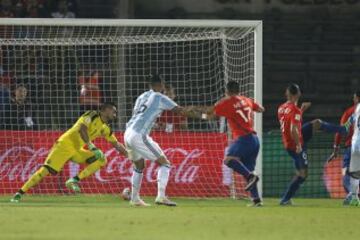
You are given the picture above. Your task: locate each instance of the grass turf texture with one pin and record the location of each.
(109, 217)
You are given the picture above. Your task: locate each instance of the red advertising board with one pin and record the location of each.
(333, 178)
(197, 168)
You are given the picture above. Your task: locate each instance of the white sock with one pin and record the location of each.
(136, 184)
(162, 180)
(354, 186)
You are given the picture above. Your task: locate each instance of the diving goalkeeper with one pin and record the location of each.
(70, 146)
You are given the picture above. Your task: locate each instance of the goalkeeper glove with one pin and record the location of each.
(97, 152)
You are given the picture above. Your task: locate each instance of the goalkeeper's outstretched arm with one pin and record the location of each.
(120, 148)
(83, 133)
(112, 139)
(85, 137)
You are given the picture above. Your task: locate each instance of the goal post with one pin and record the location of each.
(258, 95)
(68, 66)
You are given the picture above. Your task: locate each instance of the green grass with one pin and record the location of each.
(108, 217)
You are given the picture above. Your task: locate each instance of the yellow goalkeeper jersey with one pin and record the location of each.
(95, 128)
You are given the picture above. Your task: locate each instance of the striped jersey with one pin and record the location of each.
(355, 141)
(148, 107)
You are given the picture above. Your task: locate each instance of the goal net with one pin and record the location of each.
(54, 70)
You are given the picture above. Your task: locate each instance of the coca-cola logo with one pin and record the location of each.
(19, 162)
(119, 168)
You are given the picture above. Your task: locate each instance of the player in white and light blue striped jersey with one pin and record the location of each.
(148, 107)
(354, 169)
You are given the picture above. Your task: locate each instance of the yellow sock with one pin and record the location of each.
(91, 169)
(35, 179)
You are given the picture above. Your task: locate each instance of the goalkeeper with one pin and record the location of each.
(70, 146)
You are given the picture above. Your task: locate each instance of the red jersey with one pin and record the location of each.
(239, 111)
(170, 117)
(347, 114)
(290, 114)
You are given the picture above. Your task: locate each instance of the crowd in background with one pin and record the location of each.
(38, 8)
(18, 100)
(22, 100)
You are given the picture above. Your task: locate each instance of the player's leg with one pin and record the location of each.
(133, 143)
(54, 162)
(319, 124)
(149, 149)
(136, 180)
(353, 196)
(31, 182)
(345, 168)
(309, 128)
(162, 181)
(354, 172)
(93, 165)
(250, 162)
(235, 154)
(307, 132)
(301, 165)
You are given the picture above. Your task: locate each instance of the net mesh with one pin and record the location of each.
(67, 70)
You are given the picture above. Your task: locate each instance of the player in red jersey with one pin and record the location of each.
(241, 154)
(295, 136)
(337, 141)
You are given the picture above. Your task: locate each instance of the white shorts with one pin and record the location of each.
(355, 160)
(141, 146)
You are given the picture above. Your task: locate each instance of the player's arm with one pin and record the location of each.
(168, 104)
(85, 137)
(220, 109)
(120, 148)
(159, 126)
(83, 133)
(295, 134)
(191, 111)
(208, 113)
(295, 130)
(211, 112)
(305, 106)
(258, 107)
(338, 138)
(110, 137)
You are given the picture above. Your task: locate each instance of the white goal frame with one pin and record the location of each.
(255, 25)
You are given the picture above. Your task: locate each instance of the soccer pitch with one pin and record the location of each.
(109, 217)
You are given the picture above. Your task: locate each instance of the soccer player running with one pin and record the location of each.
(70, 146)
(141, 146)
(296, 135)
(242, 153)
(337, 141)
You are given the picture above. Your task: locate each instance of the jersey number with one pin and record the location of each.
(142, 109)
(245, 113)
